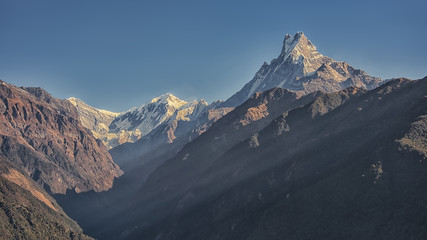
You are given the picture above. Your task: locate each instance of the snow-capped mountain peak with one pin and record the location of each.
(299, 68)
(290, 42)
(149, 115)
(299, 50)
(170, 99)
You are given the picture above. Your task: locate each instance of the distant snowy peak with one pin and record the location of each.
(148, 116)
(91, 117)
(168, 98)
(114, 129)
(301, 68)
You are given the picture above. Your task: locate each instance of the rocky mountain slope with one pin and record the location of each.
(44, 137)
(340, 173)
(346, 159)
(97, 120)
(301, 68)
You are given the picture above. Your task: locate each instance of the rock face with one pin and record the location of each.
(43, 136)
(97, 120)
(28, 212)
(301, 68)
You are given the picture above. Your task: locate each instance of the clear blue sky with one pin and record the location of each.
(119, 54)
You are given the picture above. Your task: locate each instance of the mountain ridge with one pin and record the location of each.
(253, 191)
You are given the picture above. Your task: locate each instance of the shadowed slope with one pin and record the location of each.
(334, 169)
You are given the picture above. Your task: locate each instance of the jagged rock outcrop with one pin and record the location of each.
(301, 68)
(44, 137)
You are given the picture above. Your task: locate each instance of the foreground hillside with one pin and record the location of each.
(350, 165)
(28, 212)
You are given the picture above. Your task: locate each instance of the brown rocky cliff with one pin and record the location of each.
(44, 137)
